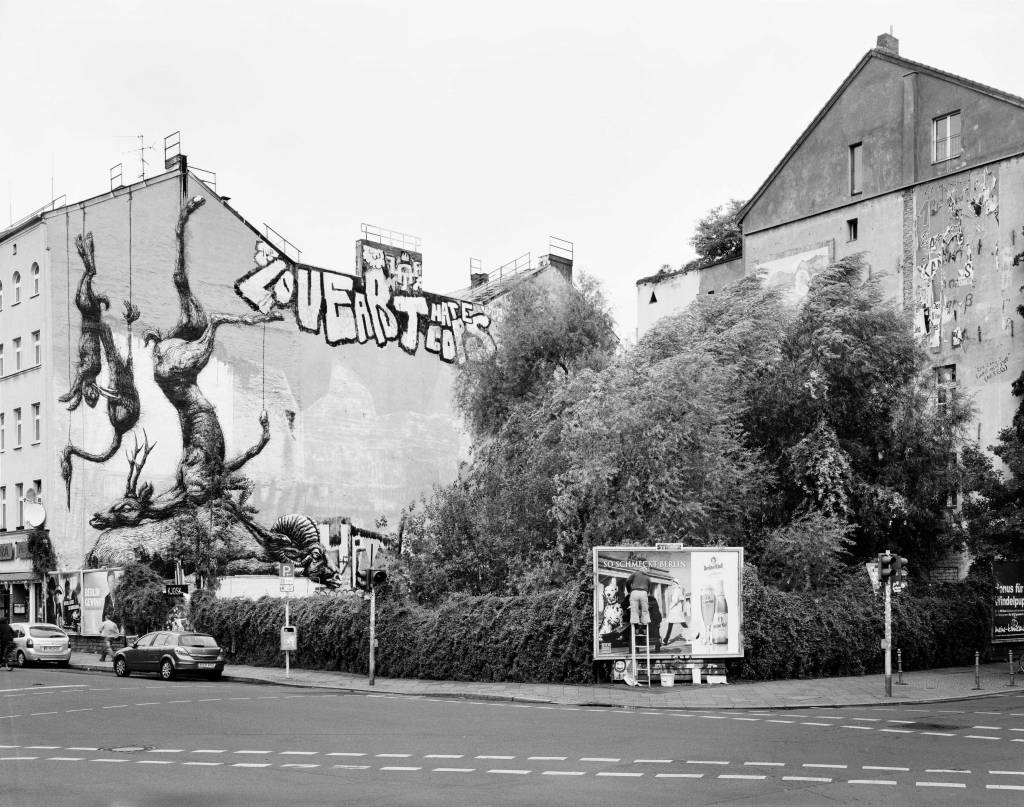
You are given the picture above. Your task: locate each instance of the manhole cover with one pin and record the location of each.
(128, 749)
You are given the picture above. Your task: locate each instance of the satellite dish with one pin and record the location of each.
(35, 514)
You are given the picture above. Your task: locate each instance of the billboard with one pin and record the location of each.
(79, 601)
(402, 267)
(694, 600)
(1008, 614)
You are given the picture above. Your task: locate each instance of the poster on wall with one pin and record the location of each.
(64, 600)
(1008, 614)
(693, 599)
(99, 597)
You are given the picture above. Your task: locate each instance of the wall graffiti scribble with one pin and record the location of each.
(347, 310)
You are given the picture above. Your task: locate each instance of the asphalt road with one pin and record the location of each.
(75, 738)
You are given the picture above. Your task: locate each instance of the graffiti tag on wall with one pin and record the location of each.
(957, 230)
(373, 308)
(402, 266)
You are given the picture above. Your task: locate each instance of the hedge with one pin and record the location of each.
(546, 637)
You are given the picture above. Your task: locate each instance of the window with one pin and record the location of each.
(1, 296)
(3, 436)
(17, 427)
(35, 279)
(17, 353)
(856, 167)
(946, 137)
(16, 280)
(19, 495)
(36, 424)
(945, 380)
(1, 360)
(654, 298)
(3, 508)
(37, 350)
(38, 484)
(851, 229)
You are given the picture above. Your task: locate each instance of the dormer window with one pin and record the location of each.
(946, 137)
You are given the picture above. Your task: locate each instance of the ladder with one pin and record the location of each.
(641, 642)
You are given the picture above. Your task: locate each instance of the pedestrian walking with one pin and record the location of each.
(6, 642)
(108, 630)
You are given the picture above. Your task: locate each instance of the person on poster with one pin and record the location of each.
(108, 632)
(639, 585)
(676, 616)
(110, 601)
(654, 631)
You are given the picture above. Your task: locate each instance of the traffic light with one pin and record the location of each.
(899, 571)
(378, 577)
(885, 567)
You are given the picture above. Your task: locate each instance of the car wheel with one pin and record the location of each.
(121, 667)
(20, 659)
(167, 669)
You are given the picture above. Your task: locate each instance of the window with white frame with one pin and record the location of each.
(3, 508)
(946, 137)
(19, 494)
(17, 353)
(17, 427)
(36, 423)
(1, 359)
(35, 279)
(1, 295)
(37, 349)
(3, 433)
(16, 282)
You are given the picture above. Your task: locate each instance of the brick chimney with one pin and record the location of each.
(888, 42)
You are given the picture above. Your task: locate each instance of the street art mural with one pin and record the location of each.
(372, 309)
(794, 272)
(957, 240)
(122, 396)
(208, 487)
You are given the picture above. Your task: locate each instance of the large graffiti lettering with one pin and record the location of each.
(351, 310)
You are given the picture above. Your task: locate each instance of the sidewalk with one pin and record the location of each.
(929, 686)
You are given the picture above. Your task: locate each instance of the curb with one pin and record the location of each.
(244, 679)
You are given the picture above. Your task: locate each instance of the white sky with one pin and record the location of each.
(482, 129)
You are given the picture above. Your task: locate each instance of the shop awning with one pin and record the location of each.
(19, 577)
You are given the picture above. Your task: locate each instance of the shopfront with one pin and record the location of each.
(21, 597)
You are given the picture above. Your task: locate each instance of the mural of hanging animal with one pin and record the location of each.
(91, 306)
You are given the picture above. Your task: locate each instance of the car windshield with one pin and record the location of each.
(46, 632)
(197, 640)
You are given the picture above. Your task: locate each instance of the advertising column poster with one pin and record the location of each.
(693, 597)
(1008, 615)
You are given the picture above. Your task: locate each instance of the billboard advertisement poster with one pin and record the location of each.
(693, 597)
(64, 600)
(99, 596)
(1008, 615)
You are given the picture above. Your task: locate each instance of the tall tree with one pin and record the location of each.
(716, 236)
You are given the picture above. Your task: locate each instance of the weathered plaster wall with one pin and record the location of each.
(671, 294)
(969, 229)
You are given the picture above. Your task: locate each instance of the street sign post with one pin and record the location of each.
(286, 571)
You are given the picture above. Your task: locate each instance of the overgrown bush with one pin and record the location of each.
(547, 636)
(140, 605)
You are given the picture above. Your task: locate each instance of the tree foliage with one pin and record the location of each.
(141, 605)
(717, 236)
(806, 433)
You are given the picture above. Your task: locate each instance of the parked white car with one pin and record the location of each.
(36, 642)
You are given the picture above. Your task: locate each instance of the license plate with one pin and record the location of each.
(204, 665)
(50, 648)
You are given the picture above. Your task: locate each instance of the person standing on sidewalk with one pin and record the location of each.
(6, 642)
(108, 630)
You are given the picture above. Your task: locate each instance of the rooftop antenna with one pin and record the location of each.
(141, 150)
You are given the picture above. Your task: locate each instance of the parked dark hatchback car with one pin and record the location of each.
(171, 653)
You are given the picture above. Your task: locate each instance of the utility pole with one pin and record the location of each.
(373, 632)
(888, 638)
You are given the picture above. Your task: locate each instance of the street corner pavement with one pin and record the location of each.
(926, 686)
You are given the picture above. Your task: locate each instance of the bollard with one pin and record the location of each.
(977, 669)
(899, 666)
(1011, 669)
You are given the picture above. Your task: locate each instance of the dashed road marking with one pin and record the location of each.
(597, 759)
(440, 756)
(646, 761)
(872, 782)
(944, 770)
(563, 773)
(553, 759)
(507, 770)
(823, 765)
(771, 764)
(883, 768)
(1006, 773)
(1004, 787)
(941, 784)
(623, 774)
(679, 776)
(453, 770)
(250, 765)
(706, 762)
(493, 756)
(806, 779)
(741, 776)
(980, 737)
